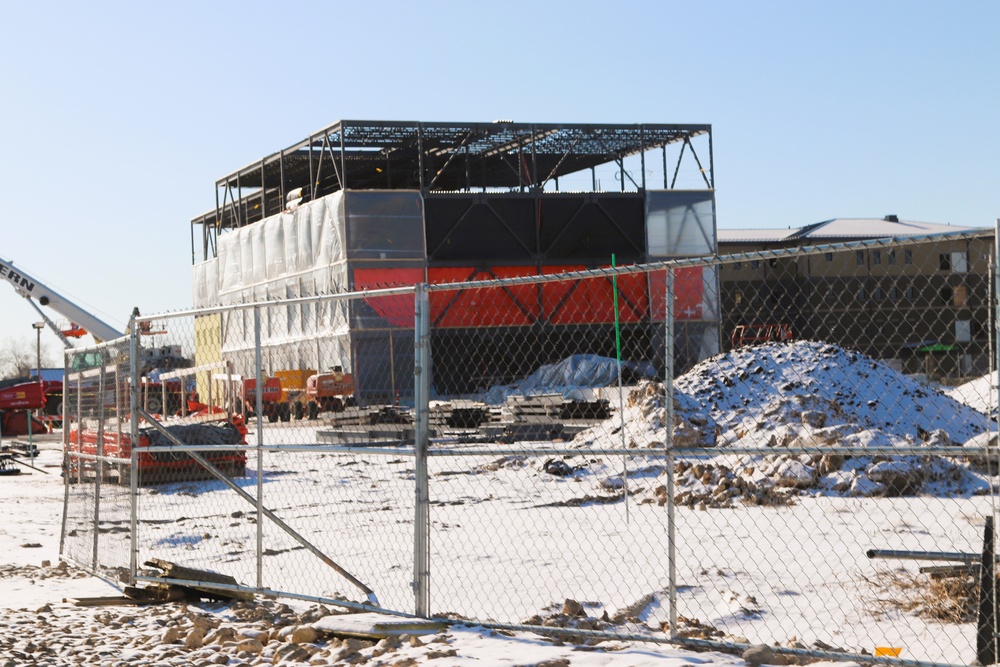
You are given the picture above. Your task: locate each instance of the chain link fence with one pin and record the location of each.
(96, 417)
(787, 447)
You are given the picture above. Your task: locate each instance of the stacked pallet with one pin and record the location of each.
(533, 417)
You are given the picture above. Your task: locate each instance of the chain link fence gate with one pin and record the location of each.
(823, 485)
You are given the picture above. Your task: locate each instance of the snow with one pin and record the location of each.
(979, 394)
(514, 536)
(33, 503)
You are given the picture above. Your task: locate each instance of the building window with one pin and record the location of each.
(944, 261)
(861, 294)
(893, 293)
(831, 294)
(959, 262)
(877, 294)
(960, 296)
(859, 257)
(754, 263)
(907, 256)
(738, 297)
(828, 256)
(963, 331)
(772, 262)
(946, 294)
(890, 257)
(909, 293)
(876, 256)
(737, 266)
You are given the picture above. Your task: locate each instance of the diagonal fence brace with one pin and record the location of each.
(372, 599)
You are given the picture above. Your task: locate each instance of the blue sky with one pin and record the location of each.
(118, 117)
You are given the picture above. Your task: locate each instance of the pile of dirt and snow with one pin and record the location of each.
(801, 395)
(979, 394)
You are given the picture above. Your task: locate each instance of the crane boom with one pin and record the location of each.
(33, 289)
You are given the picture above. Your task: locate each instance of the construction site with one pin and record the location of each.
(427, 360)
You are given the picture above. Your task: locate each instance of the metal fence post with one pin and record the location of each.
(668, 436)
(259, 408)
(134, 351)
(421, 389)
(99, 461)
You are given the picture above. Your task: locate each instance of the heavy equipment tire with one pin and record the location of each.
(298, 410)
(284, 412)
(313, 409)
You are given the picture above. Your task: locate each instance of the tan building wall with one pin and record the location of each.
(887, 303)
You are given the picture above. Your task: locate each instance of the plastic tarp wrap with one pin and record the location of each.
(289, 255)
(682, 224)
(569, 376)
(206, 282)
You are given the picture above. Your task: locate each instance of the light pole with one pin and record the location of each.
(38, 347)
(38, 365)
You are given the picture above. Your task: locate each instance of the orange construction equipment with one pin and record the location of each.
(754, 334)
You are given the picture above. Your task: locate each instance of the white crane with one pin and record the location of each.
(38, 294)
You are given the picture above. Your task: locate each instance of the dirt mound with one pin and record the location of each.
(800, 395)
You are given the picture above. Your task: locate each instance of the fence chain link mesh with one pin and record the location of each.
(782, 447)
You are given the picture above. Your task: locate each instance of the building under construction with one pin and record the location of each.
(364, 204)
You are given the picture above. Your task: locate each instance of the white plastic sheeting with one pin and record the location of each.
(289, 255)
(682, 224)
(569, 376)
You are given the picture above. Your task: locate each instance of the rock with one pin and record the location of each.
(761, 654)
(558, 467)
(573, 608)
(304, 634)
(814, 418)
(444, 653)
(898, 477)
(195, 638)
(795, 474)
(685, 435)
(171, 635)
(291, 652)
(864, 486)
(221, 636)
(249, 646)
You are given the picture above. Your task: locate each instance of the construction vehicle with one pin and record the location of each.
(300, 393)
(284, 395)
(755, 334)
(329, 392)
(21, 397)
(18, 398)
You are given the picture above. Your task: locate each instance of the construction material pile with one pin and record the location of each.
(801, 395)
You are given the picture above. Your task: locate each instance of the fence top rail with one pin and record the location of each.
(675, 263)
(318, 298)
(193, 370)
(717, 260)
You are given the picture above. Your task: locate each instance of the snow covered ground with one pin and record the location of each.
(770, 548)
(41, 629)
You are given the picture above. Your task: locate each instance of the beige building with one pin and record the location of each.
(923, 307)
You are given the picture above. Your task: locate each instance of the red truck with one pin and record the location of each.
(17, 397)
